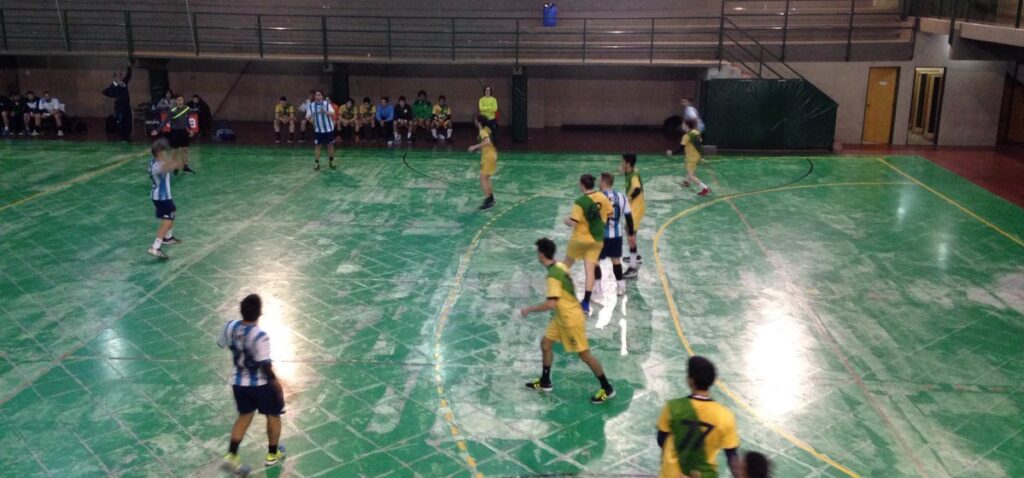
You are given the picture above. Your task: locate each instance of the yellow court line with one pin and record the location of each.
(959, 206)
(69, 183)
(673, 310)
(444, 407)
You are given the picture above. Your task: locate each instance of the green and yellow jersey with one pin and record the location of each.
(568, 312)
(487, 149)
(346, 112)
(488, 107)
(694, 145)
(442, 112)
(367, 111)
(698, 429)
(284, 110)
(635, 194)
(591, 212)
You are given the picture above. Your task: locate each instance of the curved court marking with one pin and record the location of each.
(673, 310)
(66, 184)
(444, 408)
(955, 204)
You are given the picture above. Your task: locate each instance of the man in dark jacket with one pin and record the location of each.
(118, 90)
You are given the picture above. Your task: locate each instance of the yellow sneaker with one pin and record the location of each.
(273, 458)
(232, 462)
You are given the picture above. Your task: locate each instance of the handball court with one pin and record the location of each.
(865, 313)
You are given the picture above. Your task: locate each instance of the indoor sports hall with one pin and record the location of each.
(822, 200)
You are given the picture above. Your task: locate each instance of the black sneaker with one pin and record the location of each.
(631, 273)
(488, 203)
(331, 164)
(176, 171)
(539, 386)
(188, 170)
(172, 241)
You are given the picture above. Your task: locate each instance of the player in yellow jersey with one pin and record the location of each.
(284, 114)
(568, 324)
(693, 429)
(488, 160)
(347, 123)
(693, 145)
(635, 193)
(589, 216)
(442, 119)
(367, 119)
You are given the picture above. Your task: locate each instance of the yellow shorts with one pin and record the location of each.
(638, 217)
(573, 339)
(488, 164)
(588, 251)
(691, 164)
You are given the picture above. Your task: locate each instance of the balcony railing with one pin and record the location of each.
(331, 38)
(995, 12)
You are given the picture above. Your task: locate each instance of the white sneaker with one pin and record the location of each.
(35, 133)
(157, 252)
(620, 288)
(597, 294)
(60, 132)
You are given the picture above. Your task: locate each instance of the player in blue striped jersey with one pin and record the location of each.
(621, 212)
(321, 114)
(160, 168)
(253, 383)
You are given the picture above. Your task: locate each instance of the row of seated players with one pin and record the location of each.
(366, 121)
(28, 114)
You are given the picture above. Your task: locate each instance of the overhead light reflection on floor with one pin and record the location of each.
(775, 361)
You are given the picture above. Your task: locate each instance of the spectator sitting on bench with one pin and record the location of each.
(51, 107)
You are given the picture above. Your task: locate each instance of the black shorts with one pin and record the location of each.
(263, 399)
(164, 208)
(178, 138)
(612, 248)
(323, 138)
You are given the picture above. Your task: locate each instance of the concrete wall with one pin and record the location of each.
(243, 91)
(970, 106)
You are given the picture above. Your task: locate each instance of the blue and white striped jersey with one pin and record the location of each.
(250, 347)
(620, 206)
(320, 112)
(161, 181)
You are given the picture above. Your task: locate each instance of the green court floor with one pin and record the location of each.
(866, 315)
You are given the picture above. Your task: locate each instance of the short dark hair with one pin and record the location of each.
(421, 93)
(350, 100)
(29, 92)
(691, 123)
(282, 99)
(486, 87)
(546, 247)
(46, 93)
(385, 98)
(702, 371)
(312, 91)
(251, 307)
(629, 158)
(366, 99)
(757, 465)
(160, 145)
(587, 180)
(317, 91)
(442, 97)
(481, 119)
(401, 98)
(607, 178)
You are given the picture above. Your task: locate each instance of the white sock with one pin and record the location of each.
(408, 134)
(621, 283)
(433, 132)
(702, 185)
(449, 132)
(398, 137)
(157, 243)
(169, 235)
(633, 256)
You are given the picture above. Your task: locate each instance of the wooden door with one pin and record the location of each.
(880, 104)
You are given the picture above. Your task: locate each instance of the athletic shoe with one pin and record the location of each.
(188, 169)
(60, 133)
(620, 288)
(602, 396)
(391, 143)
(331, 164)
(231, 462)
(172, 241)
(704, 191)
(317, 166)
(157, 252)
(487, 204)
(631, 273)
(290, 141)
(277, 141)
(586, 307)
(35, 133)
(273, 458)
(686, 184)
(539, 386)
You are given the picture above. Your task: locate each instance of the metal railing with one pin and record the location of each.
(995, 12)
(330, 38)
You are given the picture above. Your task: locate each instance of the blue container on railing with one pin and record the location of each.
(550, 15)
